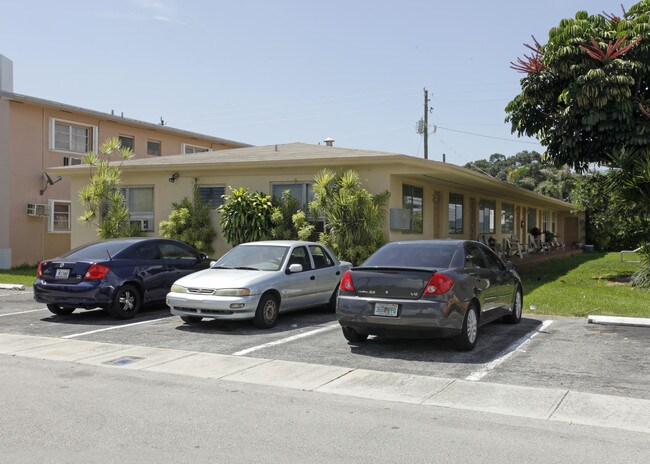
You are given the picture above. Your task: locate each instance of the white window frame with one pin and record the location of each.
(159, 142)
(94, 131)
(51, 218)
(196, 148)
(487, 216)
(306, 188)
(142, 216)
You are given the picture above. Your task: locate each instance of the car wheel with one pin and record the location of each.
(466, 339)
(60, 310)
(191, 319)
(353, 336)
(127, 303)
(517, 306)
(331, 306)
(267, 312)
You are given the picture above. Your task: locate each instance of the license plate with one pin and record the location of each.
(62, 274)
(386, 309)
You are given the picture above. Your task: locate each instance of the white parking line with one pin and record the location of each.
(114, 327)
(24, 312)
(287, 340)
(505, 354)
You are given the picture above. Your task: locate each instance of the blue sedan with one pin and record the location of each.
(119, 275)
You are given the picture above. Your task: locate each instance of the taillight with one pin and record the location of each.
(96, 271)
(39, 270)
(346, 283)
(438, 284)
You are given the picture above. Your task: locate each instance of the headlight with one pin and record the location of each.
(232, 292)
(177, 289)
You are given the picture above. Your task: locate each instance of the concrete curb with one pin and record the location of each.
(615, 320)
(12, 287)
(548, 404)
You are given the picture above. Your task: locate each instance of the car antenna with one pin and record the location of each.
(109, 255)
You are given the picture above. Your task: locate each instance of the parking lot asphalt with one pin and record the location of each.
(547, 368)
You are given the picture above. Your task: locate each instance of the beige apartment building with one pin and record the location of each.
(36, 214)
(429, 199)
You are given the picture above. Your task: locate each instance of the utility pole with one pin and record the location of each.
(426, 123)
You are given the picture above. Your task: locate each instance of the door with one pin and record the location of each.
(327, 274)
(149, 268)
(570, 231)
(477, 269)
(298, 287)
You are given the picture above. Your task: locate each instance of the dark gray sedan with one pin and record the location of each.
(423, 288)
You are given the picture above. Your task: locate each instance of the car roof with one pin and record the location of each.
(430, 242)
(281, 243)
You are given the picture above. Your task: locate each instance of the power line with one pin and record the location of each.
(487, 136)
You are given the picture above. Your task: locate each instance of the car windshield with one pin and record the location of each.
(257, 257)
(96, 251)
(415, 254)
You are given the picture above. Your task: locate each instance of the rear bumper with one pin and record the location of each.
(415, 318)
(88, 294)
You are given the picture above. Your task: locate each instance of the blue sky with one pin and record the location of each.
(266, 72)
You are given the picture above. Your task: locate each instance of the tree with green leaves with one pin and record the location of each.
(585, 94)
(190, 222)
(246, 216)
(284, 209)
(102, 199)
(354, 217)
(529, 170)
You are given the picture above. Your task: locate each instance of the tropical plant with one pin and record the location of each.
(641, 277)
(190, 222)
(102, 199)
(284, 209)
(246, 216)
(529, 170)
(586, 92)
(354, 217)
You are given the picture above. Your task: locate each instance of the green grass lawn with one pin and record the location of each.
(575, 286)
(584, 284)
(24, 275)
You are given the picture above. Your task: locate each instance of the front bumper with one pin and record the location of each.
(415, 318)
(210, 306)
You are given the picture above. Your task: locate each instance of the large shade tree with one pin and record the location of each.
(585, 94)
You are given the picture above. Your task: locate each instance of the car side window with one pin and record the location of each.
(147, 251)
(474, 258)
(174, 251)
(493, 261)
(299, 256)
(321, 258)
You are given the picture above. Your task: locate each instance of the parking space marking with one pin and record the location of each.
(286, 340)
(114, 327)
(505, 354)
(24, 312)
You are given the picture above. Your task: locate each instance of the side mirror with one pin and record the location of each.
(213, 263)
(510, 266)
(202, 256)
(295, 268)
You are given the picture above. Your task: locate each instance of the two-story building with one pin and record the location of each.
(36, 216)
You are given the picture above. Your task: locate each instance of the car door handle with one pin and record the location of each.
(312, 278)
(338, 272)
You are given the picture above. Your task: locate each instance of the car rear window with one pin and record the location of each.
(413, 255)
(101, 250)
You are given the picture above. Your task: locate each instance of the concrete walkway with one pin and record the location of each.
(537, 403)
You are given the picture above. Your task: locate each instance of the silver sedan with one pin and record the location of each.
(258, 281)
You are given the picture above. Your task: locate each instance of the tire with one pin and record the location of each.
(60, 310)
(191, 319)
(267, 312)
(353, 336)
(466, 339)
(331, 306)
(127, 302)
(517, 308)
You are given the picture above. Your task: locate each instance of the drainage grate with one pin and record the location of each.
(123, 361)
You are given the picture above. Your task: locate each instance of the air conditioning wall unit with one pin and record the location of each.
(400, 219)
(36, 209)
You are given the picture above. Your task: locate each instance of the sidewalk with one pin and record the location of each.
(538, 403)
